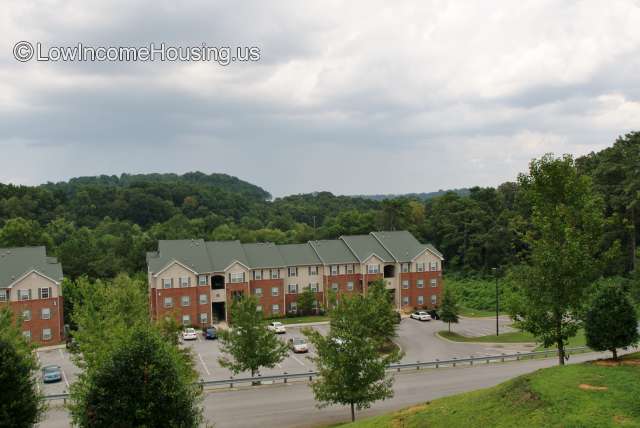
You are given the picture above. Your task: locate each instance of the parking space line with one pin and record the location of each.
(296, 358)
(61, 354)
(204, 365)
(64, 377)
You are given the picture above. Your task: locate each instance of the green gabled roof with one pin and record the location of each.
(191, 253)
(333, 252)
(16, 262)
(263, 255)
(365, 245)
(402, 245)
(224, 253)
(298, 255)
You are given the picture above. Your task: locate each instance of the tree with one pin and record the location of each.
(611, 321)
(449, 309)
(249, 343)
(352, 369)
(381, 313)
(21, 403)
(305, 301)
(566, 227)
(143, 380)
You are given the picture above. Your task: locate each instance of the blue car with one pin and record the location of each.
(210, 333)
(51, 374)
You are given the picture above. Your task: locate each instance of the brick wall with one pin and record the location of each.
(37, 324)
(413, 291)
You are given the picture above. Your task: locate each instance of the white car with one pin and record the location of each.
(298, 345)
(277, 327)
(421, 316)
(189, 334)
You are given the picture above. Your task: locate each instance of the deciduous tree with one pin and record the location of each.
(449, 309)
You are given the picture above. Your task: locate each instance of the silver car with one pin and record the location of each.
(51, 374)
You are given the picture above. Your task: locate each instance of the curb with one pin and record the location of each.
(50, 348)
(437, 334)
(307, 324)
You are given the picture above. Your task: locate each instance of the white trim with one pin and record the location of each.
(233, 263)
(29, 273)
(341, 238)
(425, 250)
(171, 263)
(379, 258)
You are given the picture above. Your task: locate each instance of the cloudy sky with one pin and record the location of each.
(350, 97)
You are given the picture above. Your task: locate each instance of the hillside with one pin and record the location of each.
(423, 196)
(581, 395)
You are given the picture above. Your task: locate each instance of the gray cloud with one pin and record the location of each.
(350, 97)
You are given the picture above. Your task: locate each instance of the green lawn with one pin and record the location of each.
(581, 395)
(577, 340)
(303, 320)
(511, 337)
(478, 313)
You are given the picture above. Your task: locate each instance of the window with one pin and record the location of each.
(4, 295)
(26, 315)
(420, 283)
(24, 294)
(434, 283)
(314, 287)
(371, 269)
(313, 270)
(258, 292)
(419, 267)
(405, 284)
(185, 281)
(186, 320)
(167, 283)
(275, 273)
(257, 275)
(168, 302)
(293, 307)
(203, 280)
(44, 293)
(421, 300)
(315, 305)
(46, 334)
(185, 301)
(293, 288)
(405, 300)
(45, 313)
(275, 291)
(350, 286)
(434, 266)
(258, 308)
(204, 317)
(27, 335)
(275, 309)
(349, 269)
(236, 277)
(293, 271)
(204, 299)
(434, 299)
(334, 286)
(334, 269)
(405, 267)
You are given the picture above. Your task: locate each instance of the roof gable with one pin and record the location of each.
(16, 263)
(365, 245)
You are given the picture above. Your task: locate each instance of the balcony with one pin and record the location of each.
(218, 296)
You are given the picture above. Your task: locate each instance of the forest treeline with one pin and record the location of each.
(101, 226)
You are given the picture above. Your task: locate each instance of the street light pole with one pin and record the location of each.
(495, 274)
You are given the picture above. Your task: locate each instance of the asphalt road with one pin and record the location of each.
(292, 405)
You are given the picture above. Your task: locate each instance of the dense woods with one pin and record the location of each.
(101, 226)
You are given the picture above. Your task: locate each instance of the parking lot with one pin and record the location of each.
(417, 340)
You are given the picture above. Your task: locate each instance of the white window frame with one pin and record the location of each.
(349, 269)
(334, 270)
(185, 301)
(258, 308)
(203, 280)
(167, 299)
(275, 309)
(236, 277)
(204, 317)
(26, 315)
(47, 334)
(295, 289)
(183, 283)
(313, 270)
(405, 301)
(186, 319)
(433, 266)
(420, 267)
(43, 291)
(45, 313)
(373, 269)
(257, 291)
(4, 295)
(293, 307)
(275, 273)
(203, 299)
(292, 271)
(27, 335)
(275, 291)
(434, 283)
(167, 283)
(405, 284)
(335, 286)
(420, 300)
(405, 267)
(434, 299)
(350, 286)
(314, 286)
(257, 275)
(420, 283)
(24, 295)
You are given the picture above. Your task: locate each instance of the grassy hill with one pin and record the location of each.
(583, 395)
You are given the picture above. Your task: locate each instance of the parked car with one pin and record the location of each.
(189, 334)
(51, 374)
(298, 345)
(277, 327)
(434, 314)
(421, 316)
(71, 344)
(211, 333)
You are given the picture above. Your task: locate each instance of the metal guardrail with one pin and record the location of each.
(453, 362)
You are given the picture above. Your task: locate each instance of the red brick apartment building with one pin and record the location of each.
(30, 284)
(195, 281)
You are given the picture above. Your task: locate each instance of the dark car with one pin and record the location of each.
(211, 333)
(434, 314)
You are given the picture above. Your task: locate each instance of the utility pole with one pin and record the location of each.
(495, 274)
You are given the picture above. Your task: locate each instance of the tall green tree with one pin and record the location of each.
(449, 309)
(381, 313)
(305, 301)
(21, 403)
(248, 344)
(142, 381)
(352, 370)
(611, 321)
(567, 220)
